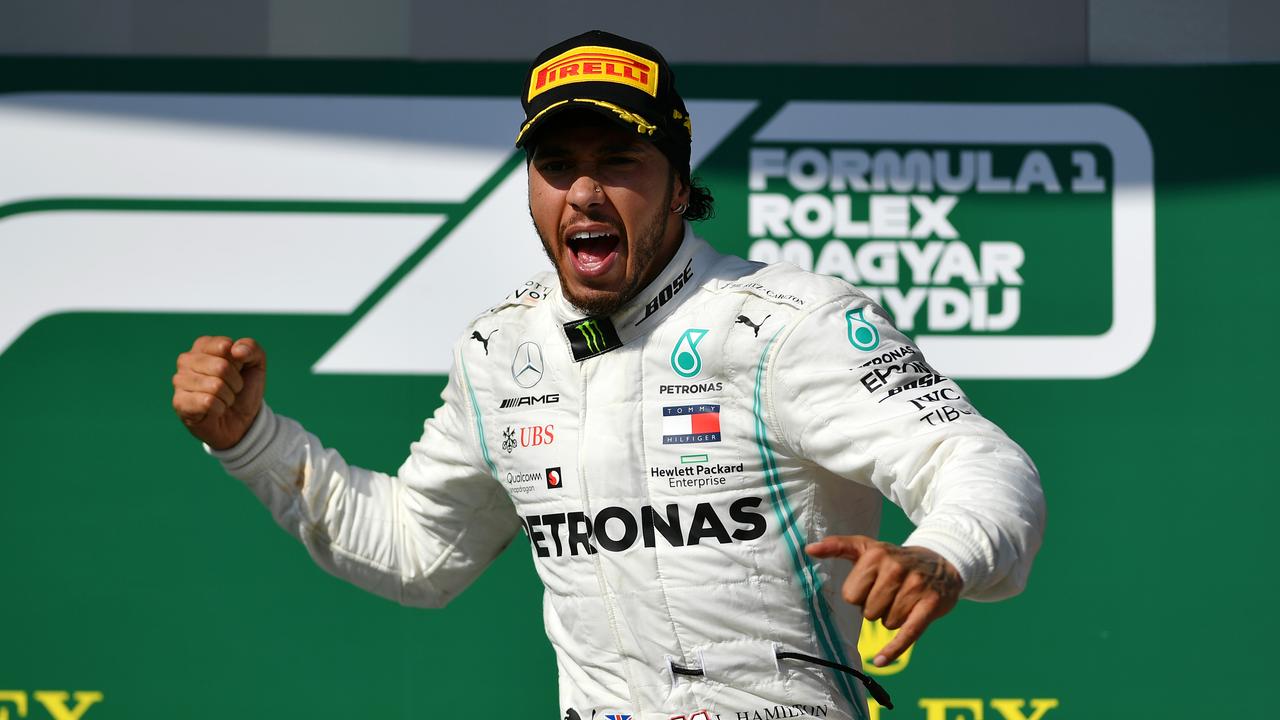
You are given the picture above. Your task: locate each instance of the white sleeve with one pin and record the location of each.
(853, 394)
(419, 537)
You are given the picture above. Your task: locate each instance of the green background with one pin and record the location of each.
(134, 567)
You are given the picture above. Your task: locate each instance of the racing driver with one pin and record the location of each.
(693, 444)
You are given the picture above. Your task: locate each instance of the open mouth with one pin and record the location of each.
(593, 252)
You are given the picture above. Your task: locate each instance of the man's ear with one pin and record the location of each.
(679, 189)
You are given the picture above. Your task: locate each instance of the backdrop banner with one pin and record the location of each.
(1080, 247)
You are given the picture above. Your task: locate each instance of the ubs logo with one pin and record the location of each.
(526, 436)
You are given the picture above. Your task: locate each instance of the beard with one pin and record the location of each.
(640, 252)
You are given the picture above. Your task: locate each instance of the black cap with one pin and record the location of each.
(623, 80)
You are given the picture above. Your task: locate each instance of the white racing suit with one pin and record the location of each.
(668, 464)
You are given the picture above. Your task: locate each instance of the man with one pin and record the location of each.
(691, 442)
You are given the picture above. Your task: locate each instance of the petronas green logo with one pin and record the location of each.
(862, 334)
(685, 359)
(591, 335)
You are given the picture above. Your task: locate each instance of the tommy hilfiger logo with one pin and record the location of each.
(683, 424)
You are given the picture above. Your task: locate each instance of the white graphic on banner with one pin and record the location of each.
(242, 147)
(303, 263)
(993, 356)
(413, 328)
(171, 146)
(251, 147)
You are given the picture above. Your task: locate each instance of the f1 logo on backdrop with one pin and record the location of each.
(387, 210)
(399, 212)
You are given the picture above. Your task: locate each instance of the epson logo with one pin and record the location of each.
(615, 529)
(877, 378)
(548, 399)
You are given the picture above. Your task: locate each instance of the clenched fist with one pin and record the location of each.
(218, 388)
(903, 587)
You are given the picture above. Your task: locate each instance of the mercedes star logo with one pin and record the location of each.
(526, 367)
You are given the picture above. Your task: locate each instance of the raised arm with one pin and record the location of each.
(418, 537)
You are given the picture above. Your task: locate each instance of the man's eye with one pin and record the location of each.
(621, 160)
(551, 167)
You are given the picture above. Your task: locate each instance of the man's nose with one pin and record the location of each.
(585, 192)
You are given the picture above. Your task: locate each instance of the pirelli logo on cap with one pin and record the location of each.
(592, 63)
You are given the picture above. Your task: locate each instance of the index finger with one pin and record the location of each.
(846, 546)
(919, 619)
(248, 353)
(219, 345)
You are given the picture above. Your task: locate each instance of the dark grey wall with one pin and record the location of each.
(1070, 32)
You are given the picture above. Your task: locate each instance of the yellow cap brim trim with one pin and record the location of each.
(642, 125)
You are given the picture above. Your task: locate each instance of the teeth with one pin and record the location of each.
(589, 235)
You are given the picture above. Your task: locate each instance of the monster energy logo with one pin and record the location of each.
(590, 330)
(591, 336)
